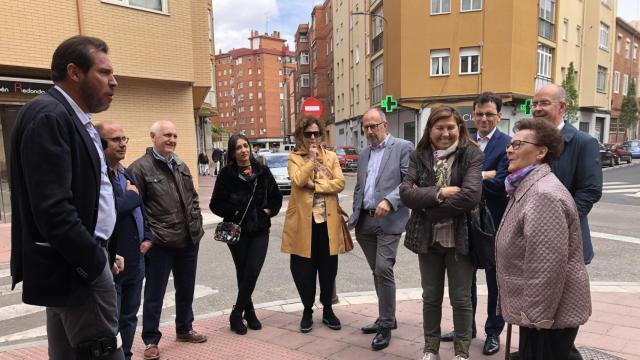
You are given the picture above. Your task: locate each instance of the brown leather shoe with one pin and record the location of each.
(151, 352)
(192, 337)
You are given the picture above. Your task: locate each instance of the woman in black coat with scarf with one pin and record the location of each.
(233, 190)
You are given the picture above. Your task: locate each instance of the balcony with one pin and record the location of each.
(377, 43)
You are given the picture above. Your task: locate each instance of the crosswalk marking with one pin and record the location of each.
(619, 187)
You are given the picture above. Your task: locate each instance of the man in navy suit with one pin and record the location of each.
(578, 167)
(63, 205)
(486, 116)
(130, 231)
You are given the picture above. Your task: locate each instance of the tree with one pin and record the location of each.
(629, 110)
(569, 86)
(217, 133)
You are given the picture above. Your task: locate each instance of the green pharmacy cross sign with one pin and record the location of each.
(526, 107)
(389, 104)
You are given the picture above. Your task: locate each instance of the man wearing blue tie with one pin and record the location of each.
(486, 116)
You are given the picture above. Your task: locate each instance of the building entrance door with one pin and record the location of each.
(8, 115)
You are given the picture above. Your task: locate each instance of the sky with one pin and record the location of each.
(234, 19)
(629, 10)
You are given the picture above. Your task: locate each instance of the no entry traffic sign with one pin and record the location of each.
(312, 107)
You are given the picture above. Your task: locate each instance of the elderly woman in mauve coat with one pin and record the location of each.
(542, 280)
(443, 182)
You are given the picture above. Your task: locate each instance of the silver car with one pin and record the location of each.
(277, 163)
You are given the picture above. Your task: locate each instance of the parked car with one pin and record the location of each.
(606, 156)
(277, 163)
(634, 147)
(288, 147)
(620, 153)
(348, 157)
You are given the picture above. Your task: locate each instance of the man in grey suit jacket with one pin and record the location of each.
(379, 216)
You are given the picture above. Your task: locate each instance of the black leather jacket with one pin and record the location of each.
(170, 201)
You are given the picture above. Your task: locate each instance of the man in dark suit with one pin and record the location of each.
(63, 205)
(379, 216)
(578, 167)
(130, 231)
(486, 116)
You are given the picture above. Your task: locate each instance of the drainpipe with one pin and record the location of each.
(80, 10)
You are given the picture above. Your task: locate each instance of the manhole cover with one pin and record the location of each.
(593, 354)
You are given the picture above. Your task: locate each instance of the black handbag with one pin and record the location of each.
(229, 232)
(481, 232)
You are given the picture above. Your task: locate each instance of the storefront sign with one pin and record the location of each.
(21, 86)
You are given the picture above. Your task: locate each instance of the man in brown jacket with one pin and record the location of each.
(173, 212)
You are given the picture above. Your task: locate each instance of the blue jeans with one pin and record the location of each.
(129, 290)
(159, 263)
(495, 323)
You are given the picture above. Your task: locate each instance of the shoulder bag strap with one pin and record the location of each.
(250, 199)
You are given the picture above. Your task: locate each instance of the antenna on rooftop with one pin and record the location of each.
(267, 22)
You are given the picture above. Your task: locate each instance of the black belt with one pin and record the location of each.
(370, 212)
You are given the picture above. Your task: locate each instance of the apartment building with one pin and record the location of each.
(351, 69)
(251, 93)
(160, 50)
(302, 74)
(321, 65)
(426, 54)
(626, 67)
(581, 32)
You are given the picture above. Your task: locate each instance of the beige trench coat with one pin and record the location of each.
(296, 236)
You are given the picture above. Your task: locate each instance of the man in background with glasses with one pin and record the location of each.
(578, 167)
(379, 216)
(492, 142)
(130, 232)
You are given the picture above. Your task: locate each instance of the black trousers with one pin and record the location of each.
(321, 263)
(546, 344)
(248, 257)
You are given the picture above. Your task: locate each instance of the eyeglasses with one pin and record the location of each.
(480, 115)
(119, 139)
(543, 104)
(515, 144)
(309, 134)
(372, 126)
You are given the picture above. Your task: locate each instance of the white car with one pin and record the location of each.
(277, 163)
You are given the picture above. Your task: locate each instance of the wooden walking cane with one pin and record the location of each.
(507, 349)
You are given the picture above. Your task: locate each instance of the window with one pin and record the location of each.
(470, 5)
(543, 71)
(627, 48)
(238, 61)
(250, 83)
(565, 29)
(225, 72)
(357, 93)
(250, 70)
(470, 60)
(440, 7)
(378, 79)
(240, 85)
(155, 5)
(260, 97)
(616, 82)
(440, 62)
(601, 79)
(356, 55)
(546, 21)
(625, 84)
(259, 71)
(304, 80)
(250, 96)
(618, 42)
(378, 30)
(635, 51)
(604, 36)
(259, 83)
(578, 35)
